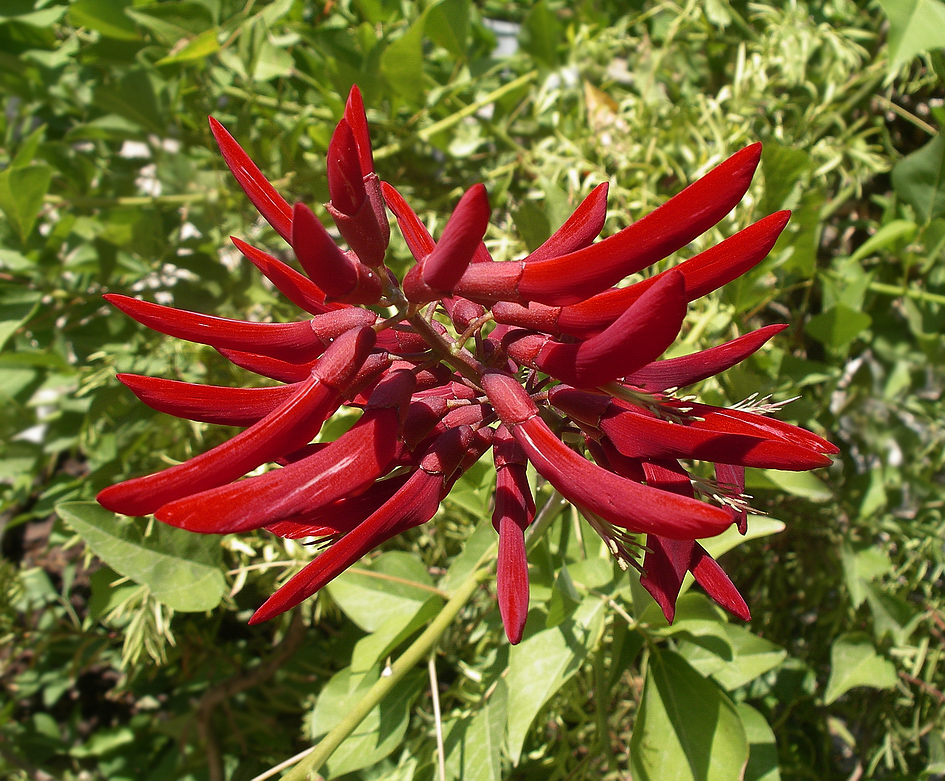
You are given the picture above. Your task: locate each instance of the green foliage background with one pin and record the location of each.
(125, 651)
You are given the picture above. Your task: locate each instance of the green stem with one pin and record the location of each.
(896, 290)
(454, 119)
(142, 200)
(420, 649)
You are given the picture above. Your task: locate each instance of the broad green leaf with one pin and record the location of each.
(762, 746)
(473, 746)
(697, 618)
(758, 526)
(134, 99)
(784, 169)
(371, 650)
(200, 47)
(838, 326)
(181, 569)
(396, 584)
(914, 26)
(854, 662)
(22, 190)
(28, 147)
(752, 656)
(687, 729)
(447, 23)
(542, 663)
(891, 615)
(17, 304)
(564, 599)
(402, 63)
(172, 22)
(24, 11)
(104, 741)
(860, 566)
(592, 573)
(474, 548)
(381, 732)
(105, 596)
(804, 484)
(541, 34)
(105, 16)
(919, 179)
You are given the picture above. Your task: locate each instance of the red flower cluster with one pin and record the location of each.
(542, 360)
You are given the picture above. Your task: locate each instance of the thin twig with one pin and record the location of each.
(437, 720)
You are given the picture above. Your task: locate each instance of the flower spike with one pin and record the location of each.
(543, 359)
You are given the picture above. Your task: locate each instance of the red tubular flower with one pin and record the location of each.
(569, 380)
(514, 511)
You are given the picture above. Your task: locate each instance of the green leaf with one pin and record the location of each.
(758, 526)
(22, 190)
(465, 563)
(105, 16)
(751, 657)
(447, 23)
(540, 35)
(564, 599)
(785, 169)
(382, 730)
(762, 746)
(914, 26)
(134, 99)
(860, 566)
(181, 569)
(804, 484)
(838, 326)
(371, 650)
(22, 11)
(474, 747)
(17, 304)
(402, 63)
(891, 233)
(891, 615)
(171, 22)
(919, 179)
(396, 584)
(542, 663)
(27, 148)
(202, 46)
(854, 662)
(687, 729)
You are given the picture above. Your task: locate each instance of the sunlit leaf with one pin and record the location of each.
(105, 16)
(396, 584)
(854, 662)
(181, 569)
(919, 179)
(541, 664)
(687, 729)
(914, 26)
(22, 190)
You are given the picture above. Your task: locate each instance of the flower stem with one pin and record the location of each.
(420, 648)
(896, 290)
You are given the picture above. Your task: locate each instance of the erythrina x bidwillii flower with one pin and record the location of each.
(542, 359)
